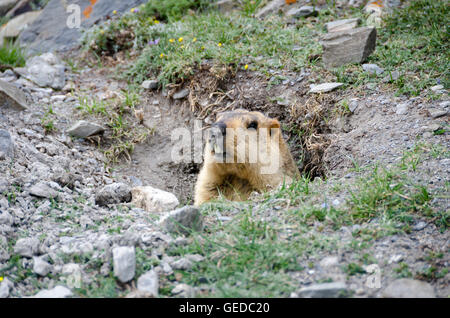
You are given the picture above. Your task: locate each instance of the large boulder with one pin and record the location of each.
(5, 5)
(348, 46)
(50, 31)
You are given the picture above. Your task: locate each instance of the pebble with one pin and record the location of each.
(149, 283)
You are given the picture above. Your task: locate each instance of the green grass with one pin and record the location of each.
(11, 55)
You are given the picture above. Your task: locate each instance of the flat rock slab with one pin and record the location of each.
(43, 190)
(304, 11)
(11, 96)
(83, 129)
(409, 288)
(342, 25)
(326, 290)
(349, 46)
(324, 87)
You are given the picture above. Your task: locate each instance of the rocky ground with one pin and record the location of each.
(73, 224)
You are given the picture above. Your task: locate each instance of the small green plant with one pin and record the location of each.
(11, 55)
(403, 271)
(353, 269)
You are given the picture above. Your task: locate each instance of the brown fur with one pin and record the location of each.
(235, 181)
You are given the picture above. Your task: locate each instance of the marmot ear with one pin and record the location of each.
(275, 124)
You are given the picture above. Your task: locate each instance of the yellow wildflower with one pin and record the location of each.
(171, 40)
(156, 22)
(203, 47)
(132, 10)
(194, 40)
(219, 44)
(246, 67)
(182, 46)
(115, 12)
(1, 278)
(180, 39)
(161, 55)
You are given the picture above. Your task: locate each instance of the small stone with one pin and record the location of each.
(329, 261)
(437, 88)
(401, 109)
(182, 264)
(113, 194)
(395, 258)
(150, 84)
(4, 289)
(438, 113)
(183, 290)
(153, 200)
(6, 144)
(183, 220)
(43, 190)
(11, 96)
(124, 263)
(433, 127)
(83, 129)
(41, 267)
(325, 87)
(181, 94)
(27, 247)
(353, 104)
(326, 290)
(409, 288)
(149, 283)
(372, 69)
(57, 98)
(304, 11)
(57, 292)
(420, 226)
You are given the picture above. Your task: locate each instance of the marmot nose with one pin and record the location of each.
(219, 128)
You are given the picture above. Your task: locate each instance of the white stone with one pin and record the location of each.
(149, 283)
(124, 263)
(324, 87)
(153, 200)
(41, 267)
(57, 292)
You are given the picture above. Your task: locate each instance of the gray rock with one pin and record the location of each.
(326, 290)
(420, 226)
(353, 105)
(124, 263)
(57, 292)
(272, 7)
(372, 69)
(409, 288)
(304, 11)
(4, 289)
(5, 217)
(324, 87)
(53, 34)
(41, 267)
(83, 129)
(45, 70)
(5, 5)
(149, 84)
(401, 109)
(349, 46)
(27, 247)
(183, 220)
(393, 76)
(329, 261)
(113, 194)
(437, 88)
(6, 145)
(438, 113)
(11, 96)
(183, 290)
(43, 190)
(342, 25)
(181, 94)
(149, 283)
(182, 264)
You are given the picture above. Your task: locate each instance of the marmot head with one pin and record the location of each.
(238, 135)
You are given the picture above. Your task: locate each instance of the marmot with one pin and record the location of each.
(245, 152)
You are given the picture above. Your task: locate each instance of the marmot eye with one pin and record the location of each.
(253, 125)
